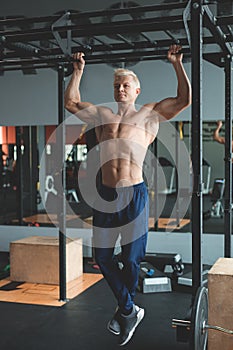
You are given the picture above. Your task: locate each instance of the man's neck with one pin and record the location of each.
(125, 109)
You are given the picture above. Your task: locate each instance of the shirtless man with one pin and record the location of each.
(123, 139)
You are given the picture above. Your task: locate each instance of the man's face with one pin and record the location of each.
(125, 89)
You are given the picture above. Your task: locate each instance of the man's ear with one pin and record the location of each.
(138, 90)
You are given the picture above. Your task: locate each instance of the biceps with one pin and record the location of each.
(86, 115)
(85, 111)
(168, 107)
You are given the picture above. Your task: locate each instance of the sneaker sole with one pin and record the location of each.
(140, 316)
(112, 330)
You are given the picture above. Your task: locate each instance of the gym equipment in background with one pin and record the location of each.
(206, 176)
(152, 280)
(216, 210)
(166, 262)
(196, 328)
(169, 173)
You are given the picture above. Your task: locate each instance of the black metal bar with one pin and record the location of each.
(62, 184)
(25, 21)
(33, 168)
(135, 54)
(127, 41)
(64, 46)
(100, 59)
(53, 52)
(156, 194)
(148, 40)
(94, 61)
(103, 58)
(230, 31)
(26, 61)
(138, 24)
(99, 13)
(224, 20)
(228, 158)
(219, 36)
(104, 45)
(215, 58)
(51, 62)
(197, 221)
(16, 68)
(177, 153)
(30, 174)
(133, 10)
(19, 47)
(82, 30)
(19, 169)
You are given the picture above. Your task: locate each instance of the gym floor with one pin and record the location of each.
(81, 322)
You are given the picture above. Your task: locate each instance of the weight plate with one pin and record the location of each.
(199, 319)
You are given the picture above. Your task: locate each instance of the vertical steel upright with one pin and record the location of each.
(19, 168)
(177, 153)
(156, 194)
(228, 157)
(33, 168)
(197, 196)
(62, 184)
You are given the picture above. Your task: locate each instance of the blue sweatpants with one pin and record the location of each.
(122, 211)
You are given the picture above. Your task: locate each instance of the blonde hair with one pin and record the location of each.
(125, 72)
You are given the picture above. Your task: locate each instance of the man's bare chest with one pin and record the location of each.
(123, 130)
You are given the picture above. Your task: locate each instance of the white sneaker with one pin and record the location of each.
(129, 323)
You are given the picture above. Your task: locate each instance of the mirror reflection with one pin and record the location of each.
(27, 201)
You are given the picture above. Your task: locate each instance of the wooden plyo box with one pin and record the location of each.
(35, 259)
(220, 286)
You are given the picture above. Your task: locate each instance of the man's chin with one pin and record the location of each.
(122, 100)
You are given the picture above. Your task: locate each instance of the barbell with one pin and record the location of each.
(196, 329)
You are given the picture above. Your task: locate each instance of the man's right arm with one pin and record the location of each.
(72, 97)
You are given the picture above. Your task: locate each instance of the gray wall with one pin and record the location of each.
(30, 100)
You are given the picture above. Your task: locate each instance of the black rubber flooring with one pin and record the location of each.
(81, 323)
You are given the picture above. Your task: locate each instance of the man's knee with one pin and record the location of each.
(130, 264)
(102, 257)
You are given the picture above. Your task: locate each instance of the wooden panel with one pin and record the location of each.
(44, 294)
(36, 259)
(163, 223)
(220, 286)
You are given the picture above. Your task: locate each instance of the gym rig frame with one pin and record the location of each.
(48, 42)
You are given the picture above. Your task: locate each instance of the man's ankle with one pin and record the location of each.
(129, 312)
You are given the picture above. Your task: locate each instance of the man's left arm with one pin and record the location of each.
(171, 106)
